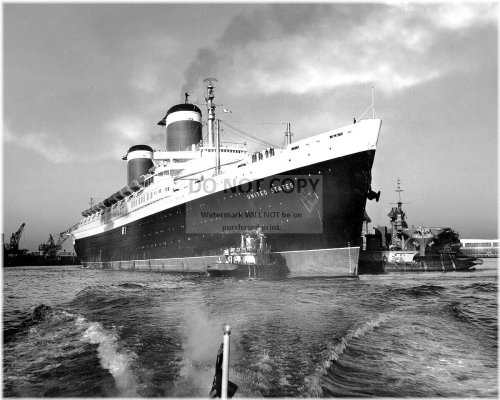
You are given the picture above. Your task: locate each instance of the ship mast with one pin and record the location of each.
(399, 190)
(213, 124)
(288, 134)
(373, 110)
(398, 221)
(217, 148)
(211, 110)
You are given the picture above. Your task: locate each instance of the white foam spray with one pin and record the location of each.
(117, 361)
(202, 338)
(312, 383)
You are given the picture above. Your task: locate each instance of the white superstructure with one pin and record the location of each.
(181, 176)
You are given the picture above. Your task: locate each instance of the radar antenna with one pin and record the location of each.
(399, 190)
(210, 80)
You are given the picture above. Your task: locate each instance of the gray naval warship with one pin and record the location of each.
(404, 249)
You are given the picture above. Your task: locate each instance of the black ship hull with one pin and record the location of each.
(160, 242)
(375, 262)
(436, 264)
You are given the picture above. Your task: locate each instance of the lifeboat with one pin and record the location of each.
(135, 185)
(118, 195)
(126, 191)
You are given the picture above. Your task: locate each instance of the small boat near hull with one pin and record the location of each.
(252, 259)
(246, 271)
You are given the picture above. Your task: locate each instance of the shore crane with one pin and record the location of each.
(50, 247)
(13, 246)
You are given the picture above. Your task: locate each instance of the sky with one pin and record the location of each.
(84, 82)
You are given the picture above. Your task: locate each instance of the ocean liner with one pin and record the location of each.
(183, 205)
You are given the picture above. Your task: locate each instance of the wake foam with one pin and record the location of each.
(333, 351)
(117, 361)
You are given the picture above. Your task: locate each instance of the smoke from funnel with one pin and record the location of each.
(244, 30)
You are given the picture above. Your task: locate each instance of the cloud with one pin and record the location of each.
(121, 131)
(146, 79)
(148, 56)
(456, 16)
(313, 48)
(47, 145)
(127, 127)
(126, 130)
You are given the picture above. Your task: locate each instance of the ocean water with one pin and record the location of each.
(72, 332)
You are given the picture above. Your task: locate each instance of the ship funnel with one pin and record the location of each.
(183, 122)
(139, 161)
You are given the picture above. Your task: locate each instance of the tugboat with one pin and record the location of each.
(253, 259)
(401, 248)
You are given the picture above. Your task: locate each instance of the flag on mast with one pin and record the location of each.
(217, 383)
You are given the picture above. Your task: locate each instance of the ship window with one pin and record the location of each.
(295, 147)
